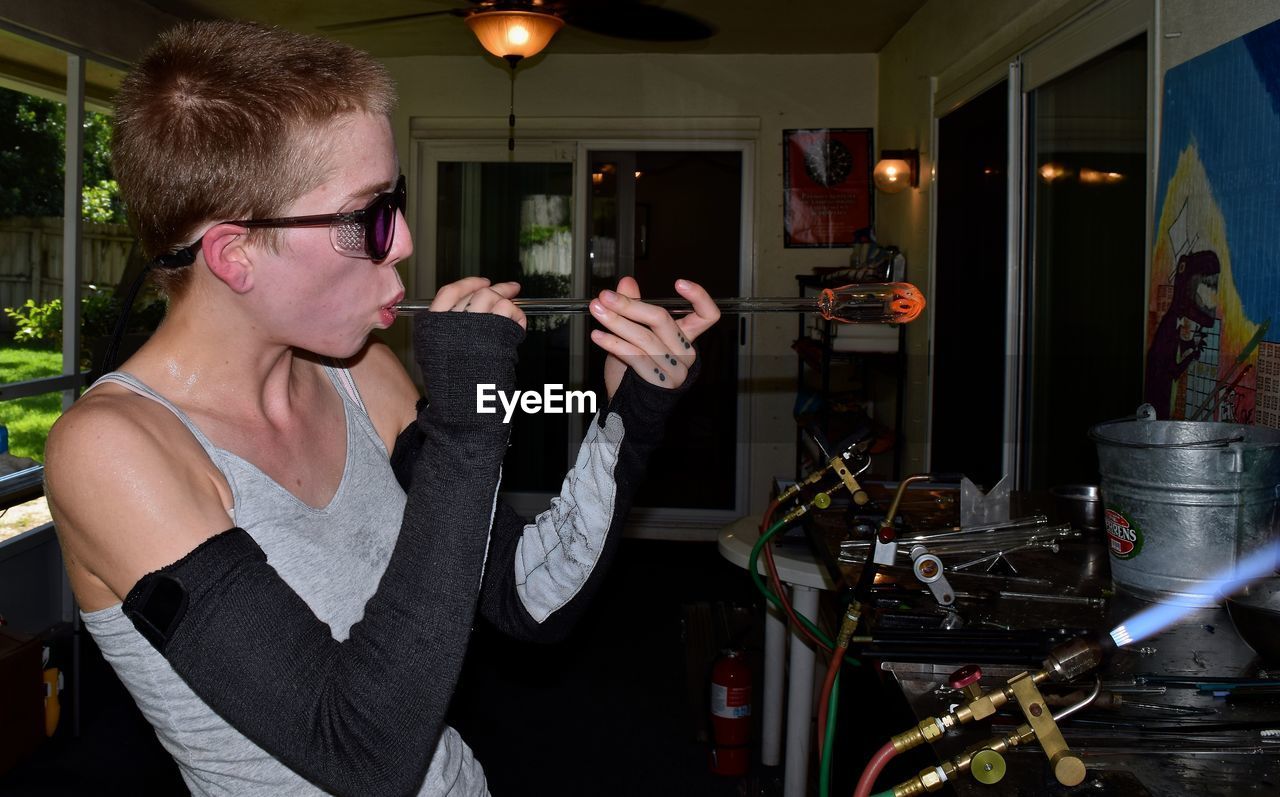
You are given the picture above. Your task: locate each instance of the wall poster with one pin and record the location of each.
(1213, 346)
(826, 180)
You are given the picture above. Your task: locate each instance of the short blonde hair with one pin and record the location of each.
(217, 122)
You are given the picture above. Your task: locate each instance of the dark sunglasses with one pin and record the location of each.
(368, 232)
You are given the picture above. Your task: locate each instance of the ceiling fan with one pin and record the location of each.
(623, 19)
(517, 29)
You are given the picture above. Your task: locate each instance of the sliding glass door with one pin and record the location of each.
(513, 221)
(1086, 189)
(570, 219)
(1039, 336)
(660, 215)
(970, 299)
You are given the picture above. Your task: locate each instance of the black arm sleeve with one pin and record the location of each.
(360, 717)
(542, 575)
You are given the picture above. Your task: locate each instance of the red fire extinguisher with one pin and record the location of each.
(731, 714)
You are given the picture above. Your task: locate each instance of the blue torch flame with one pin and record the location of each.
(1156, 618)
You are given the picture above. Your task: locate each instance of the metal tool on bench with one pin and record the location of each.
(928, 570)
(883, 548)
(987, 542)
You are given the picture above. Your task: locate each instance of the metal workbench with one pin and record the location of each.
(1217, 748)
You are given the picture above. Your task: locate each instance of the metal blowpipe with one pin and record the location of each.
(861, 303)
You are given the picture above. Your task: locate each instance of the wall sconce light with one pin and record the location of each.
(897, 169)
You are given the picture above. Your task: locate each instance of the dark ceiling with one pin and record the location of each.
(742, 26)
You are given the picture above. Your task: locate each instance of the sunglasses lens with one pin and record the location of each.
(371, 231)
(381, 227)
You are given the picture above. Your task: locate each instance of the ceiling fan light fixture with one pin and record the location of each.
(514, 34)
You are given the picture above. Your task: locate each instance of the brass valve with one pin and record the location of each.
(987, 766)
(966, 678)
(822, 499)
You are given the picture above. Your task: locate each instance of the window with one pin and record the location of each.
(45, 257)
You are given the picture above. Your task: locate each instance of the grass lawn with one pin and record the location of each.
(29, 418)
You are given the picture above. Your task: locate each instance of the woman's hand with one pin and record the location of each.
(476, 295)
(646, 338)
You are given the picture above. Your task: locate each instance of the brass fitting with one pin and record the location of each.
(932, 779)
(1078, 656)
(850, 624)
(1067, 766)
(927, 780)
(794, 490)
(983, 707)
(901, 491)
(928, 730)
(856, 492)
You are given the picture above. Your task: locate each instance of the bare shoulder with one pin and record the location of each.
(386, 389)
(130, 490)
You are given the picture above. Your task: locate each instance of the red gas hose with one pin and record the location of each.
(873, 770)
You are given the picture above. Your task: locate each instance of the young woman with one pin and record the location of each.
(277, 543)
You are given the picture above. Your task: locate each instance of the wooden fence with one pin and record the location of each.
(31, 259)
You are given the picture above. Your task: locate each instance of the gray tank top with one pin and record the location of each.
(332, 557)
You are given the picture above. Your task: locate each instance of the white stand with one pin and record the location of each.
(775, 648)
(806, 578)
(795, 774)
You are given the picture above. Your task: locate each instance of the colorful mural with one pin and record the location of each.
(1212, 353)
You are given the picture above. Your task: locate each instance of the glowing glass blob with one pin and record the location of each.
(1156, 618)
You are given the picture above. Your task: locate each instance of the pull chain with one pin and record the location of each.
(511, 112)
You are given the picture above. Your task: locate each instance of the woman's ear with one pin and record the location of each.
(226, 253)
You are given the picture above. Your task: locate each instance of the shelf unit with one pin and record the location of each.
(838, 370)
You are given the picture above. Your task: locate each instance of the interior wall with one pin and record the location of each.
(781, 91)
(1193, 27)
(950, 41)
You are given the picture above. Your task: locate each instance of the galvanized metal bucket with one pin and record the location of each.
(1183, 500)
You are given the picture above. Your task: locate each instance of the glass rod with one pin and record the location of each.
(864, 303)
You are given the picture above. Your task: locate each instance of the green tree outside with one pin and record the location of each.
(32, 147)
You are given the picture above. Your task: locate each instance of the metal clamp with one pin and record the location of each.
(928, 570)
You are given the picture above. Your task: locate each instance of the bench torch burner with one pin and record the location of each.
(1066, 662)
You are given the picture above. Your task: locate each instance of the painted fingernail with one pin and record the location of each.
(672, 360)
(661, 376)
(609, 296)
(682, 285)
(598, 309)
